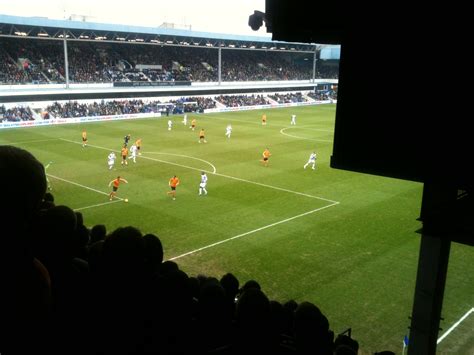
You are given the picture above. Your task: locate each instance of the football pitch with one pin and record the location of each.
(342, 240)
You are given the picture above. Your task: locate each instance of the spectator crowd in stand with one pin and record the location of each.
(287, 98)
(105, 108)
(15, 114)
(182, 105)
(24, 61)
(242, 100)
(324, 95)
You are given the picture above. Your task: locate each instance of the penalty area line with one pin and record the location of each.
(455, 325)
(278, 188)
(98, 205)
(253, 231)
(80, 185)
(117, 199)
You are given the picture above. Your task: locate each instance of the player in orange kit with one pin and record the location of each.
(138, 143)
(266, 155)
(115, 182)
(84, 138)
(124, 153)
(201, 136)
(173, 183)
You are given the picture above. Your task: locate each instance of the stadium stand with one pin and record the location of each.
(167, 70)
(40, 62)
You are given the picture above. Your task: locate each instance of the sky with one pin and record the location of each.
(219, 16)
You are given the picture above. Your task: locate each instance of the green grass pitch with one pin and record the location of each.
(344, 241)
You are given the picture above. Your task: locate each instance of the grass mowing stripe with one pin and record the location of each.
(253, 231)
(32, 141)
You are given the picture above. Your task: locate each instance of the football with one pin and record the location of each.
(126, 200)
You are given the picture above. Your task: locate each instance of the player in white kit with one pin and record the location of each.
(311, 160)
(111, 160)
(133, 153)
(202, 185)
(293, 120)
(228, 130)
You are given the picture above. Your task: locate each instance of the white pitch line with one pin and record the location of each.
(277, 188)
(314, 129)
(252, 231)
(187, 156)
(32, 141)
(455, 325)
(83, 186)
(99, 204)
(310, 139)
(141, 156)
(218, 174)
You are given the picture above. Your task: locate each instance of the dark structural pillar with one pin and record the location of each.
(439, 219)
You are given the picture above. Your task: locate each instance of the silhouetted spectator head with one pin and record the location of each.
(311, 330)
(282, 317)
(24, 185)
(345, 341)
(153, 252)
(253, 322)
(25, 282)
(124, 252)
(386, 352)
(82, 236)
(230, 284)
(194, 287)
(202, 279)
(58, 234)
(48, 196)
(95, 256)
(213, 303)
(48, 201)
(253, 309)
(79, 218)
(290, 305)
(168, 266)
(173, 297)
(97, 233)
(250, 284)
(278, 318)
